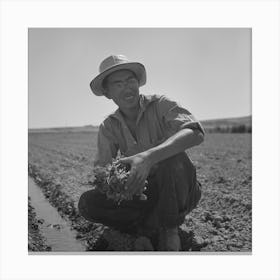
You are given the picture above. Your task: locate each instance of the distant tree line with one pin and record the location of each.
(242, 128)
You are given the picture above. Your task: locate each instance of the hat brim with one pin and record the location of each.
(135, 67)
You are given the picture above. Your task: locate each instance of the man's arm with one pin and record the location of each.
(179, 142)
(106, 148)
(141, 163)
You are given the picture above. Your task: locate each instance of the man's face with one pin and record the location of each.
(123, 88)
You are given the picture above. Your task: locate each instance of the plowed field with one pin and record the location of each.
(60, 162)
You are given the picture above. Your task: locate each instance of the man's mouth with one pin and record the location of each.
(129, 97)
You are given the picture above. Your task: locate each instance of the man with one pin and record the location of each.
(152, 132)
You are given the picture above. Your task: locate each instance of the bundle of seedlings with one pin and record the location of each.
(112, 181)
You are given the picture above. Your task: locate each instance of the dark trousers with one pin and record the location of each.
(173, 191)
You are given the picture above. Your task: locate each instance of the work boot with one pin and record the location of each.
(169, 240)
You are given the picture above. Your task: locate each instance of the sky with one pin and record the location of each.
(206, 70)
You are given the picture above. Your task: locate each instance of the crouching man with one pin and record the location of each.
(152, 132)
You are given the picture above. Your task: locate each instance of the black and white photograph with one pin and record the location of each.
(139, 140)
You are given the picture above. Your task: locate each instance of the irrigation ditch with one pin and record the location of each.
(63, 229)
(56, 231)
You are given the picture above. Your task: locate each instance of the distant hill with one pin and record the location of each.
(216, 125)
(228, 124)
(86, 128)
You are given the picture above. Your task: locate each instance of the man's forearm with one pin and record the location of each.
(179, 142)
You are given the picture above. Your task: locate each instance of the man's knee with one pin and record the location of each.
(88, 200)
(82, 204)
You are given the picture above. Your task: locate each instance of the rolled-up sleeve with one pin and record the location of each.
(175, 117)
(106, 147)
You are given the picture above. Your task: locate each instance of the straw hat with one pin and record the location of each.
(112, 64)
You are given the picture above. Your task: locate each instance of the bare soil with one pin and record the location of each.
(60, 162)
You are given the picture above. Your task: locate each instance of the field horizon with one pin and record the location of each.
(207, 124)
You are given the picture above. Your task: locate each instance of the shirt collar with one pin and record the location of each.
(145, 101)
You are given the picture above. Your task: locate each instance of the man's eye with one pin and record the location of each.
(118, 84)
(132, 80)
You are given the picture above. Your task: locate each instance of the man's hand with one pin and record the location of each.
(140, 166)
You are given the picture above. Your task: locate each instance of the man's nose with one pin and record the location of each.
(125, 83)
